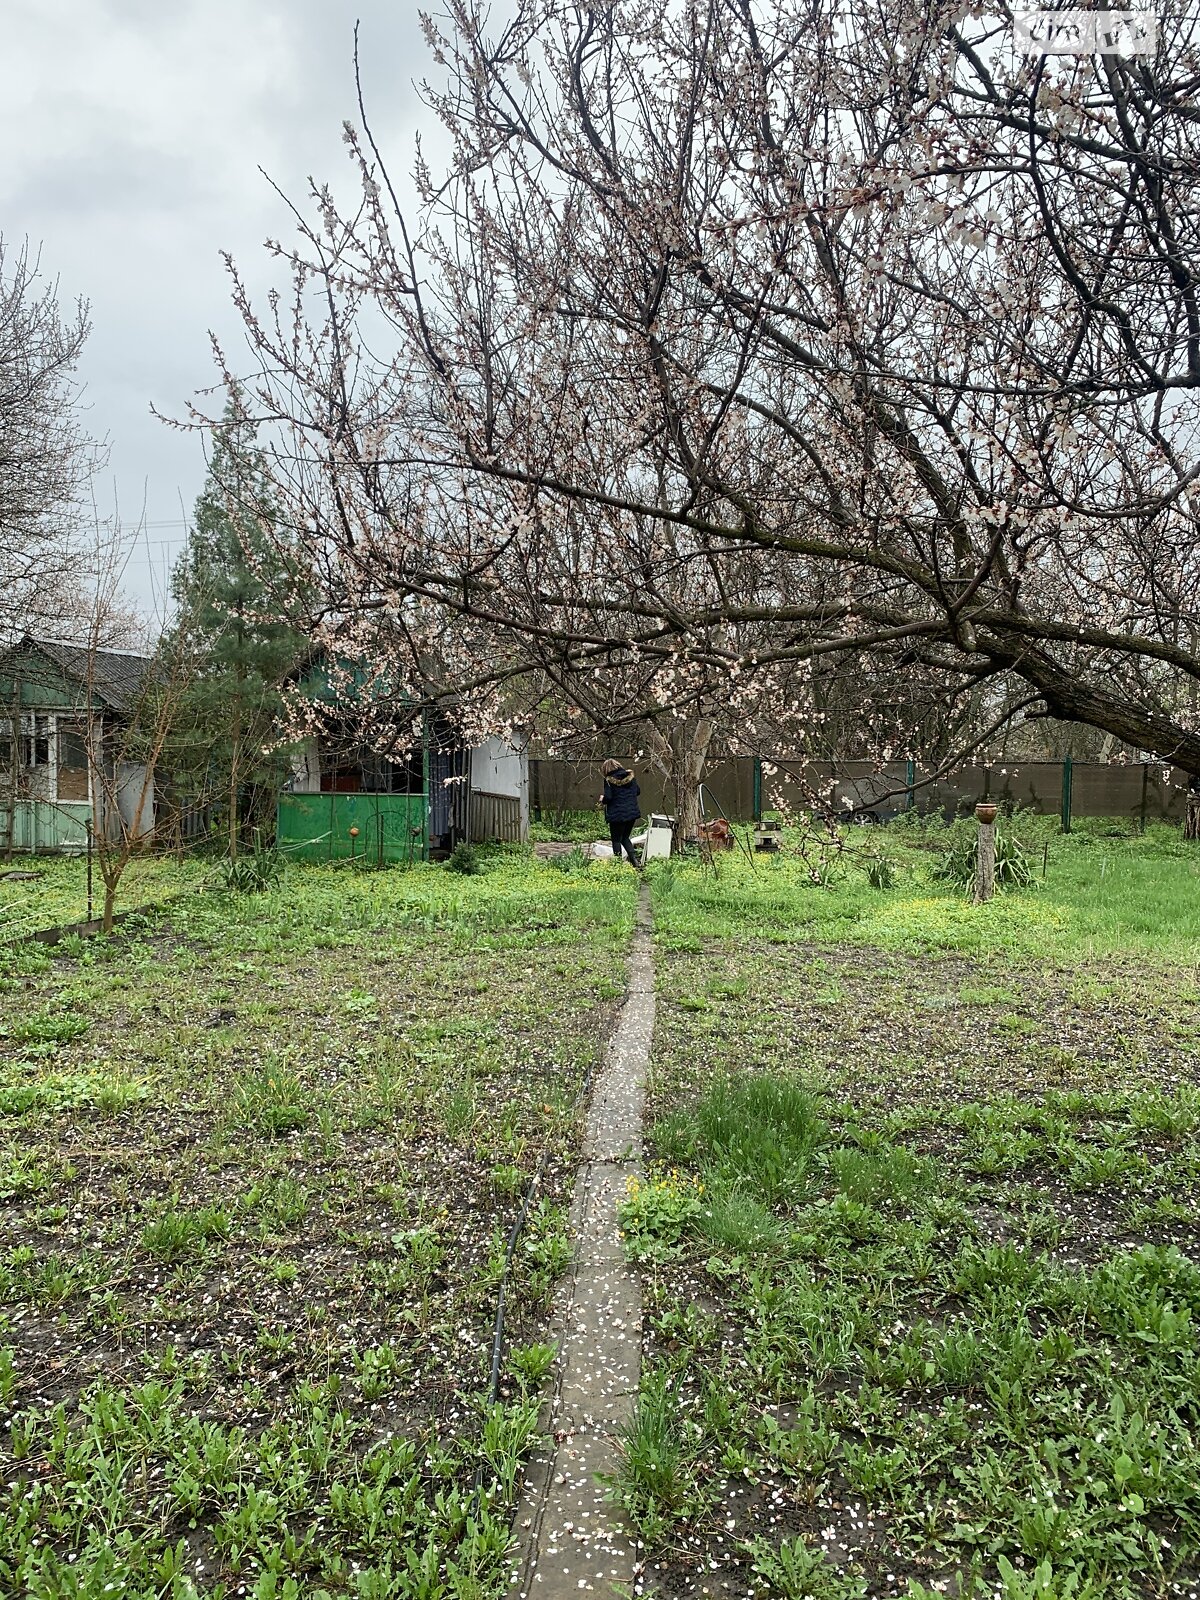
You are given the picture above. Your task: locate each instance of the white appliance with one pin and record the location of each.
(658, 838)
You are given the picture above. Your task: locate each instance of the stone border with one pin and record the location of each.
(570, 1537)
(85, 929)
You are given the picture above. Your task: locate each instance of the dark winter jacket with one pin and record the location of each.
(621, 796)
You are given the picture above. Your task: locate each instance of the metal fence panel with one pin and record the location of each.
(1098, 789)
(370, 827)
(494, 817)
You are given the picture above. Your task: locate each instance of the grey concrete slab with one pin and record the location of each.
(582, 1545)
(570, 1536)
(597, 1234)
(602, 1359)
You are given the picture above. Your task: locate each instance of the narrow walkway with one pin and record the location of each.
(570, 1537)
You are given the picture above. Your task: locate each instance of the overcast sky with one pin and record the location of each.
(131, 134)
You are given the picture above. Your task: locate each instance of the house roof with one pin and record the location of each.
(115, 675)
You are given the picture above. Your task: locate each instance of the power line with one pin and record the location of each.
(139, 527)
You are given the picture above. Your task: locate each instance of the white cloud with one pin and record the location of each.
(132, 133)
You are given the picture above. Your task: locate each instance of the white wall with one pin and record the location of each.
(498, 768)
(306, 769)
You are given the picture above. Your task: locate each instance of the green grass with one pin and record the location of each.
(920, 1239)
(58, 893)
(576, 826)
(1100, 897)
(991, 1403)
(259, 1158)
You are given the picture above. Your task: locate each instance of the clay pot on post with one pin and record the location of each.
(985, 870)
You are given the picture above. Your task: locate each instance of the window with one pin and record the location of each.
(72, 764)
(72, 749)
(35, 741)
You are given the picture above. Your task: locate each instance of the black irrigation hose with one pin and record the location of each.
(518, 1227)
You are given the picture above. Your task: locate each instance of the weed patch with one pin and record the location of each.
(254, 1159)
(922, 1266)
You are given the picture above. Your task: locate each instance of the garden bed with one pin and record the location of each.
(259, 1163)
(920, 1240)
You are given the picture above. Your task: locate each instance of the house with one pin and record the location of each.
(62, 711)
(353, 798)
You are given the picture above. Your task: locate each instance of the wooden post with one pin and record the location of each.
(1191, 815)
(1066, 794)
(985, 869)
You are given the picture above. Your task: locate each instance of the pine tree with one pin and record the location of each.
(228, 584)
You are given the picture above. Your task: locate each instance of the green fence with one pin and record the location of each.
(39, 825)
(375, 828)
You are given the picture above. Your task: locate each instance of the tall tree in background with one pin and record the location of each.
(229, 588)
(46, 459)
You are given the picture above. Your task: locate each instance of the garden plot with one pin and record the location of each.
(39, 892)
(920, 1243)
(259, 1164)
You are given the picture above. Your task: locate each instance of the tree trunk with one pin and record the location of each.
(1191, 816)
(985, 870)
(233, 816)
(680, 757)
(110, 900)
(233, 774)
(690, 772)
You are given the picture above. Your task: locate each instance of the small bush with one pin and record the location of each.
(655, 1212)
(573, 860)
(464, 858)
(739, 1223)
(532, 1364)
(655, 1484)
(42, 1032)
(960, 867)
(253, 873)
(881, 871)
(175, 1233)
(873, 1175)
(378, 1370)
(798, 1571)
(759, 1133)
(272, 1100)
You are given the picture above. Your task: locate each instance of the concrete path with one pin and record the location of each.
(570, 1537)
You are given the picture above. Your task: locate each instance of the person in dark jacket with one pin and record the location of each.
(620, 802)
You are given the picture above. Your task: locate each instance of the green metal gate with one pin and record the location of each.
(375, 828)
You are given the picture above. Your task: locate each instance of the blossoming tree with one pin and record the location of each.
(739, 339)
